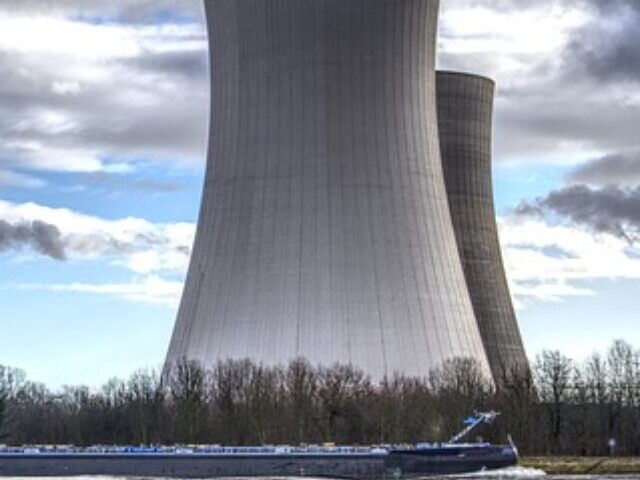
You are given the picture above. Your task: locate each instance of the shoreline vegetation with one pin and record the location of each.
(583, 465)
(561, 407)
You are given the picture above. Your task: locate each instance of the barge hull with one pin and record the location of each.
(357, 467)
(194, 466)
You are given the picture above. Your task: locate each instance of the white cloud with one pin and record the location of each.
(58, 36)
(75, 93)
(509, 45)
(66, 88)
(481, 29)
(157, 254)
(148, 289)
(553, 291)
(133, 243)
(35, 155)
(549, 262)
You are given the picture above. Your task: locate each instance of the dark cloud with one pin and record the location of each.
(614, 169)
(528, 209)
(608, 6)
(42, 237)
(47, 239)
(191, 64)
(612, 210)
(598, 72)
(531, 124)
(607, 47)
(603, 6)
(581, 97)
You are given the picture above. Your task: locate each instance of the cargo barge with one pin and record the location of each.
(358, 463)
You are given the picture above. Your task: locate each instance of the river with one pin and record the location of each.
(514, 473)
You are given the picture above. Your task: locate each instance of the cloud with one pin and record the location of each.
(549, 261)
(621, 169)
(606, 48)
(109, 84)
(42, 237)
(613, 210)
(148, 289)
(109, 11)
(614, 57)
(555, 64)
(9, 178)
(62, 234)
(548, 291)
(121, 182)
(84, 95)
(157, 254)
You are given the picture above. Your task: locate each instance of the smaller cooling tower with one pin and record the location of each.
(465, 110)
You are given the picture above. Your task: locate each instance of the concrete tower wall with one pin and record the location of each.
(324, 230)
(465, 111)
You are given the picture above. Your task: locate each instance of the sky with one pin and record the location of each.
(103, 118)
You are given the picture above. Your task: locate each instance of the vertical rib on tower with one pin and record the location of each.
(465, 110)
(324, 230)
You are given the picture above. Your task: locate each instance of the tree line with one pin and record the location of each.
(559, 407)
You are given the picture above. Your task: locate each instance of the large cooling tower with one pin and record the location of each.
(465, 110)
(324, 229)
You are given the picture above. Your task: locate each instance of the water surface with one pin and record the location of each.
(513, 473)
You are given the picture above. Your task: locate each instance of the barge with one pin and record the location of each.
(357, 463)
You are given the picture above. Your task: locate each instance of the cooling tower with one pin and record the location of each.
(465, 110)
(324, 229)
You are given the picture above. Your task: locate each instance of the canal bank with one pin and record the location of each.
(583, 465)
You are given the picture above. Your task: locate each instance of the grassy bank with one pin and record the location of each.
(583, 465)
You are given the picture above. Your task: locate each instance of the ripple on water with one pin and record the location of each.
(509, 472)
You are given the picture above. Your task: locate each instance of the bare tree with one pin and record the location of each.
(301, 384)
(460, 387)
(554, 373)
(564, 408)
(188, 393)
